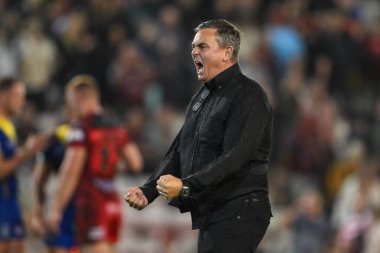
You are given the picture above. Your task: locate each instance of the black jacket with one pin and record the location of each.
(222, 150)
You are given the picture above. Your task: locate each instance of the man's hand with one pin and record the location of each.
(37, 225)
(169, 186)
(54, 220)
(36, 143)
(136, 198)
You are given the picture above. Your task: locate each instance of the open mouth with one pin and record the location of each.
(198, 66)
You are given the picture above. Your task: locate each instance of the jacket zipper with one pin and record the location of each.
(197, 132)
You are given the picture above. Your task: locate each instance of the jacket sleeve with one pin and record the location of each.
(249, 115)
(169, 165)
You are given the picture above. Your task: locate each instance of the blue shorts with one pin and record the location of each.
(65, 238)
(11, 224)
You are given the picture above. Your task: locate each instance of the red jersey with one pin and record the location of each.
(103, 137)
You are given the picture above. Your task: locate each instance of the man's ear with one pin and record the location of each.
(228, 53)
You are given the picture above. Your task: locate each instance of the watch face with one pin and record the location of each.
(185, 191)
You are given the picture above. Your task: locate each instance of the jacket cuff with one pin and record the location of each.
(150, 193)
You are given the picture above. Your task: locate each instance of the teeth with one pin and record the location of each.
(199, 66)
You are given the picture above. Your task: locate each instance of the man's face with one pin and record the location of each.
(72, 105)
(208, 56)
(70, 112)
(80, 103)
(70, 100)
(15, 98)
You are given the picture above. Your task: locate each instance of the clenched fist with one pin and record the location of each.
(136, 198)
(169, 186)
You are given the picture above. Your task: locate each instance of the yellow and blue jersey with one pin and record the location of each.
(11, 226)
(54, 153)
(53, 156)
(8, 141)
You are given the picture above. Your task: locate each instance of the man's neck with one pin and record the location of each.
(229, 64)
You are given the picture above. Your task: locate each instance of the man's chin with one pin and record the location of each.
(202, 78)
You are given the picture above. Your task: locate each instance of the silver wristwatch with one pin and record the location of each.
(185, 192)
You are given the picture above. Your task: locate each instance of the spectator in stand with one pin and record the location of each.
(353, 210)
(38, 60)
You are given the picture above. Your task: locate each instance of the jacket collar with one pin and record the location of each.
(223, 77)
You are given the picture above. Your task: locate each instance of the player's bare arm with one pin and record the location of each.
(68, 178)
(33, 145)
(41, 173)
(133, 157)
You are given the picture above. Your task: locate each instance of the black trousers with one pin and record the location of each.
(241, 233)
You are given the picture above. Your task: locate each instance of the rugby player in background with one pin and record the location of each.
(12, 98)
(47, 164)
(95, 144)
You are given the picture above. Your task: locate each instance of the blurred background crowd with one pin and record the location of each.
(319, 61)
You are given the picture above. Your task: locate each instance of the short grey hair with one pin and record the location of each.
(226, 34)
